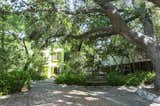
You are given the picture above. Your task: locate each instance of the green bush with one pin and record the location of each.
(134, 79)
(37, 75)
(70, 78)
(12, 82)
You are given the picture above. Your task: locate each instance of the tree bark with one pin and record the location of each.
(156, 2)
(154, 54)
(154, 51)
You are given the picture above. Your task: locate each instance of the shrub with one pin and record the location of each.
(36, 67)
(71, 78)
(134, 79)
(14, 81)
(37, 75)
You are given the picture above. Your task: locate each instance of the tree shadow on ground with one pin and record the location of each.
(55, 95)
(49, 94)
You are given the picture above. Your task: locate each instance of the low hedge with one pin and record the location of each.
(132, 79)
(14, 81)
(37, 75)
(70, 78)
(113, 78)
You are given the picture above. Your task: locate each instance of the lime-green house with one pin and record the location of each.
(54, 61)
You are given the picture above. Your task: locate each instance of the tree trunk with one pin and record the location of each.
(153, 51)
(154, 54)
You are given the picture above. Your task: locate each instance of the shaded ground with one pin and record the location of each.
(151, 90)
(45, 93)
(121, 95)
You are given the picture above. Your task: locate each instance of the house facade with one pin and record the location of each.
(54, 61)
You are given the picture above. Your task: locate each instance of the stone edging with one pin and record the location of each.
(147, 95)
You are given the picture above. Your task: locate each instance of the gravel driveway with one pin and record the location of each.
(46, 93)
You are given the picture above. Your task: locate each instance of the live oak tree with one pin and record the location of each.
(147, 41)
(115, 24)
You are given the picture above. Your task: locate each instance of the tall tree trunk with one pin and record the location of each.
(154, 54)
(154, 51)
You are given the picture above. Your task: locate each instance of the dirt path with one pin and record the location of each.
(46, 93)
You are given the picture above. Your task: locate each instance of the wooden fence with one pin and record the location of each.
(132, 67)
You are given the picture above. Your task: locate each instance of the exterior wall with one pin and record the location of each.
(54, 61)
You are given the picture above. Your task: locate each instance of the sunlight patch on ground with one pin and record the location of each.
(69, 103)
(77, 92)
(60, 100)
(68, 96)
(63, 85)
(129, 89)
(57, 92)
(91, 98)
(101, 93)
(5, 97)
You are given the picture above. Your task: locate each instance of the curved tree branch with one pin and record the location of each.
(120, 27)
(92, 34)
(51, 10)
(156, 2)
